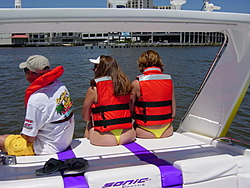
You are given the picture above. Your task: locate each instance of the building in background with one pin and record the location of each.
(82, 38)
(162, 7)
(5, 39)
(140, 4)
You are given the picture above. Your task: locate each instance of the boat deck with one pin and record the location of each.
(186, 159)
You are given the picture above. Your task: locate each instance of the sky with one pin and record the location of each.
(239, 6)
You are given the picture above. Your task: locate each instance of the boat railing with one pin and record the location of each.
(217, 57)
(232, 141)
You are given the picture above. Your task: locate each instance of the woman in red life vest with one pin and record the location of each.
(153, 99)
(106, 107)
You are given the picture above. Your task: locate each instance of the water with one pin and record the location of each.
(187, 65)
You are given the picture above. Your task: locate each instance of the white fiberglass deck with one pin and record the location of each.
(202, 165)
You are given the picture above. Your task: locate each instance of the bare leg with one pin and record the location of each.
(98, 138)
(2, 140)
(102, 139)
(141, 133)
(128, 135)
(88, 127)
(168, 132)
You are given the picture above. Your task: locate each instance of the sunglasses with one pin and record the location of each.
(26, 70)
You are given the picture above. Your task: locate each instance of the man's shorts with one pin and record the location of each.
(17, 145)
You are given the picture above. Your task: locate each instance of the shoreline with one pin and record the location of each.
(112, 45)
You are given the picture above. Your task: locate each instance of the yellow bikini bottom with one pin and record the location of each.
(156, 132)
(117, 133)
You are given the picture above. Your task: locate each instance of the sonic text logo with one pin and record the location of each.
(126, 182)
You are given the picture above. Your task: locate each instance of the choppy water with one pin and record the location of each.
(187, 65)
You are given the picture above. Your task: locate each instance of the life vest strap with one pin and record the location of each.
(153, 117)
(115, 107)
(153, 104)
(106, 123)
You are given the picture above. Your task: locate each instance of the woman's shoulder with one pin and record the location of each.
(92, 89)
(135, 83)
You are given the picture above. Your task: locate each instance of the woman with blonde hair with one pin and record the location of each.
(106, 107)
(153, 99)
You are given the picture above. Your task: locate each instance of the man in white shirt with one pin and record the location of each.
(49, 122)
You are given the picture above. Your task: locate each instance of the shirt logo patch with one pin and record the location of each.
(28, 124)
(65, 104)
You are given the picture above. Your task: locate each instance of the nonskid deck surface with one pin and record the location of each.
(147, 162)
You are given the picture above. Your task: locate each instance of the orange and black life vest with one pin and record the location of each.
(154, 107)
(43, 81)
(110, 112)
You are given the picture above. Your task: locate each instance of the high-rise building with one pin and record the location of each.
(140, 4)
(130, 4)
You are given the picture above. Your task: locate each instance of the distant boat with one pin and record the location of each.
(68, 44)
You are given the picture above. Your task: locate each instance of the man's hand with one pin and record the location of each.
(28, 138)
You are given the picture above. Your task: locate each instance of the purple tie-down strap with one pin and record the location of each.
(76, 181)
(170, 176)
